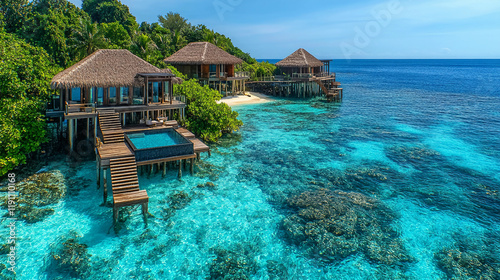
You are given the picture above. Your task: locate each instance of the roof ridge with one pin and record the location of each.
(204, 52)
(304, 55)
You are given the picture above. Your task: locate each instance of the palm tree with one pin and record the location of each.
(88, 38)
(144, 47)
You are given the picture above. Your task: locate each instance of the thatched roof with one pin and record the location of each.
(300, 58)
(202, 53)
(107, 68)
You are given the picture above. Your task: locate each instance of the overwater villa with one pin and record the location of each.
(211, 66)
(303, 75)
(302, 64)
(128, 107)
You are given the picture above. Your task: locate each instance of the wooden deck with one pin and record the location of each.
(184, 132)
(115, 150)
(119, 158)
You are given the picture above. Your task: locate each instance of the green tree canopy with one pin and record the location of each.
(204, 116)
(50, 25)
(14, 14)
(88, 38)
(116, 34)
(108, 11)
(25, 74)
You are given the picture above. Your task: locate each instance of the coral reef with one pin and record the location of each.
(410, 155)
(468, 260)
(37, 192)
(205, 169)
(176, 201)
(232, 265)
(331, 225)
(208, 185)
(72, 257)
(276, 270)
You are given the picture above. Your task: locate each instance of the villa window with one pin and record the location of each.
(137, 96)
(124, 95)
(112, 96)
(212, 70)
(76, 95)
(100, 96)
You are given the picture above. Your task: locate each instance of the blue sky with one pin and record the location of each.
(344, 29)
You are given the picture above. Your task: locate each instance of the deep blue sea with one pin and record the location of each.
(400, 180)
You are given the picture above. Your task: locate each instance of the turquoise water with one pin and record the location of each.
(399, 181)
(152, 140)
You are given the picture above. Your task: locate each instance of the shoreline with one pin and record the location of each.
(248, 98)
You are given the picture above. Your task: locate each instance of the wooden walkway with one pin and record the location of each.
(125, 186)
(184, 132)
(111, 128)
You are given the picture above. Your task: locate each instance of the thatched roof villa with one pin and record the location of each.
(210, 65)
(114, 81)
(302, 62)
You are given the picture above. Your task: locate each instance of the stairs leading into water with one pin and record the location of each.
(111, 128)
(125, 185)
(334, 93)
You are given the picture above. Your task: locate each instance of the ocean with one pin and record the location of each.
(400, 180)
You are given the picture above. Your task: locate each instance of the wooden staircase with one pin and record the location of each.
(125, 186)
(333, 93)
(111, 128)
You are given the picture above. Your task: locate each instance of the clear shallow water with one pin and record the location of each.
(419, 138)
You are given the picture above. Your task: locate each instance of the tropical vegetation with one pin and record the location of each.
(41, 37)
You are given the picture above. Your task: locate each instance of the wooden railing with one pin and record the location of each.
(80, 107)
(242, 74)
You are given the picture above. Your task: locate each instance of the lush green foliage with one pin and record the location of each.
(25, 73)
(50, 25)
(108, 11)
(13, 14)
(259, 69)
(54, 34)
(204, 116)
(88, 38)
(116, 35)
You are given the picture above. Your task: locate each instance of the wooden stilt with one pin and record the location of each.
(105, 194)
(192, 166)
(164, 169)
(98, 169)
(180, 171)
(115, 215)
(145, 212)
(151, 170)
(70, 135)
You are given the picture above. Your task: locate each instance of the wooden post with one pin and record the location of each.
(180, 171)
(164, 169)
(105, 179)
(151, 170)
(95, 130)
(98, 169)
(145, 212)
(70, 135)
(88, 127)
(115, 215)
(192, 166)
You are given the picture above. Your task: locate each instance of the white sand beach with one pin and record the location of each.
(248, 98)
